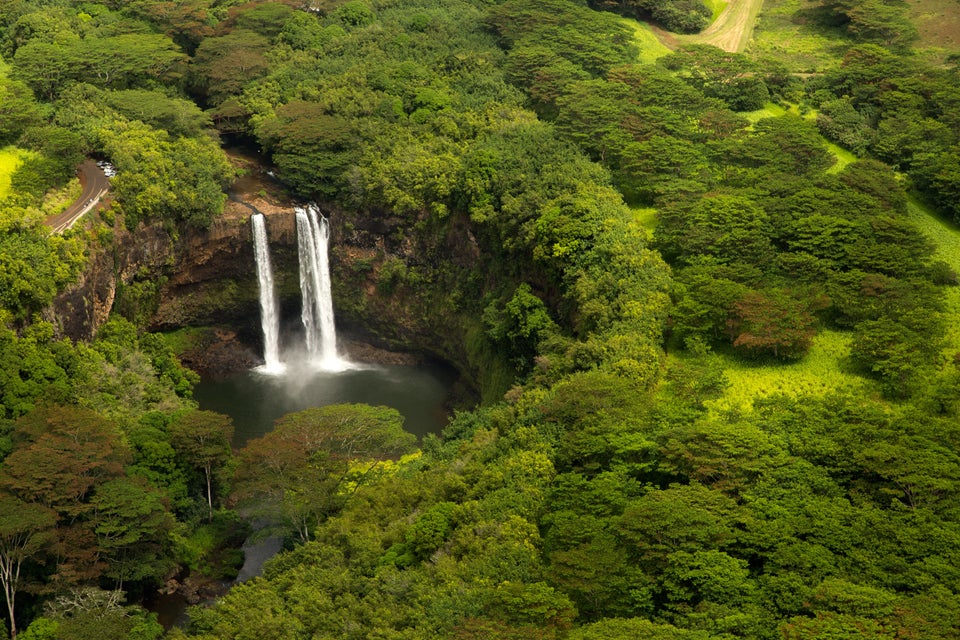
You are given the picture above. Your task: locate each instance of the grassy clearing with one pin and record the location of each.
(651, 49)
(945, 236)
(10, 159)
(716, 7)
(646, 217)
(843, 157)
(785, 35)
(821, 371)
(938, 22)
(770, 110)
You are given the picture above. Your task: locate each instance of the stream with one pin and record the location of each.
(255, 400)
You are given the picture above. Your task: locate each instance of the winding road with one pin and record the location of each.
(94, 184)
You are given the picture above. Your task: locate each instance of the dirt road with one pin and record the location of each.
(732, 29)
(94, 183)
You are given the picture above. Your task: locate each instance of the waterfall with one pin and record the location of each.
(313, 236)
(269, 315)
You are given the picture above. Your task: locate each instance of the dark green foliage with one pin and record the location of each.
(18, 110)
(609, 495)
(311, 148)
(592, 41)
(901, 110)
(114, 62)
(841, 122)
(730, 77)
(522, 323)
(729, 229)
(682, 16)
(883, 22)
(223, 65)
(176, 116)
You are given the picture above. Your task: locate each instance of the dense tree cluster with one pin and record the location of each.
(599, 492)
(682, 16)
(900, 110)
(116, 86)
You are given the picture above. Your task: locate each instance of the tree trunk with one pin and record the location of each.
(10, 595)
(209, 495)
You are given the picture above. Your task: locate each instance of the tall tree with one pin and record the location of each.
(25, 528)
(61, 455)
(295, 470)
(203, 439)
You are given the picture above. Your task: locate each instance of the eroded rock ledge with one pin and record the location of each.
(208, 278)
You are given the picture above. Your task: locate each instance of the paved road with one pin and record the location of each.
(94, 183)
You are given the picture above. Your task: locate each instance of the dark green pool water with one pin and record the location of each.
(255, 400)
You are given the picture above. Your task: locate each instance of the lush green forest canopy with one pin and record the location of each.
(603, 489)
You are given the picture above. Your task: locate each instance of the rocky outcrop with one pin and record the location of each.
(82, 309)
(392, 286)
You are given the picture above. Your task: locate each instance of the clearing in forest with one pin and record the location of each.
(945, 236)
(651, 48)
(10, 158)
(821, 371)
(938, 22)
(785, 31)
(731, 31)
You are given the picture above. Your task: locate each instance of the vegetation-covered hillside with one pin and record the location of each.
(606, 488)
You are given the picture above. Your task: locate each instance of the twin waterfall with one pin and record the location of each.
(313, 235)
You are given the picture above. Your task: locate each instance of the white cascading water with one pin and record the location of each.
(313, 236)
(269, 314)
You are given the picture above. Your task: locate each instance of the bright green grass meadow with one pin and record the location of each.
(821, 371)
(10, 159)
(651, 49)
(803, 47)
(945, 236)
(716, 7)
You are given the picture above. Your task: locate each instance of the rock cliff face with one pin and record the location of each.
(386, 289)
(81, 310)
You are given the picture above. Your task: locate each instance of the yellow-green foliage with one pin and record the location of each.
(367, 471)
(651, 49)
(646, 217)
(944, 235)
(716, 7)
(843, 157)
(58, 200)
(770, 110)
(10, 159)
(820, 371)
(946, 238)
(952, 304)
(798, 44)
